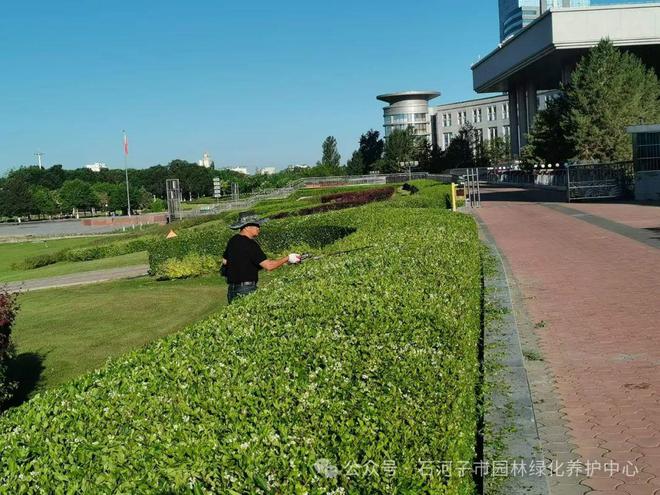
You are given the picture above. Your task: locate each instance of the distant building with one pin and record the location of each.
(266, 171)
(408, 109)
(293, 167)
(440, 124)
(206, 161)
(240, 170)
(517, 14)
(96, 167)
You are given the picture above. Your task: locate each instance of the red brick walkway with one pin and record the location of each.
(598, 294)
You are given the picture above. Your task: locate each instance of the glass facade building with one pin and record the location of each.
(516, 14)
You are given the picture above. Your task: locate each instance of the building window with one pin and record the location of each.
(492, 132)
(476, 115)
(420, 117)
(446, 139)
(480, 135)
(421, 129)
(506, 131)
(492, 113)
(446, 120)
(462, 118)
(505, 110)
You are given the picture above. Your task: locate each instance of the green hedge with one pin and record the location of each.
(366, 357)
(94, 252)
(275, 238)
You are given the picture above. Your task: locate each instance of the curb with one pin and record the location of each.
(512, 407)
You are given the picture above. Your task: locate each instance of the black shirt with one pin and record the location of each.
(243, 256)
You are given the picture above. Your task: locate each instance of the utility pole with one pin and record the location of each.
(39, 154)
(128, 193)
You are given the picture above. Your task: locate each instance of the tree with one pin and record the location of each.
(547, 142)
(16, 198)
(356, 165)
(465, 150)
(371, 148)
(497, 151)
(77, 194)
(402, 146)
(44, 202)
(608, 91)
(330, 156)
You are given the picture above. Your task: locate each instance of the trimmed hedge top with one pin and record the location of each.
(369, 357)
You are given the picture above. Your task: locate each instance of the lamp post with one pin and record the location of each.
(128, 193)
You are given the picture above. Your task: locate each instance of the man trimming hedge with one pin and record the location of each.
(243, 258)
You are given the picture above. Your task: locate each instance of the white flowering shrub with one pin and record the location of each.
(342, 375)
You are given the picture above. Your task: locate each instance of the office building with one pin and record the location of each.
(408, 109)
(544, 54)
(440, 124)
(206, 161)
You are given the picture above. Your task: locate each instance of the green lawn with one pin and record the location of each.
(66, 332)
(69, 267)
(15, 252)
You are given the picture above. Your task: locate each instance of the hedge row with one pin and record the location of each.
(169, 257)
(340, 201)
(359, 196)
(8, 310)
(94, 252)
(353, 361)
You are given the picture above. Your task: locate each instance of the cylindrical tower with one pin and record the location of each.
(408, 109)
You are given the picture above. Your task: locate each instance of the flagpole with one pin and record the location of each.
(128, 194)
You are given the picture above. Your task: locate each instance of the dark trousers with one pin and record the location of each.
(237, 290)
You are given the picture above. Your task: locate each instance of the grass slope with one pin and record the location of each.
(76, 329)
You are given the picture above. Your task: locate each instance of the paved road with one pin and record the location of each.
(590, 287)
(79, 278)
(48, 229)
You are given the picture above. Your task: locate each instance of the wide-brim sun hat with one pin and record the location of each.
(245, 219)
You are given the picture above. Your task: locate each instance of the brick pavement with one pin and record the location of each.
(593, 302)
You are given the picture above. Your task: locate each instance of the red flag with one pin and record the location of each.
(125, 144)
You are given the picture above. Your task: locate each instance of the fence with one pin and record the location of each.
(599, 180)
(549, 179)
(578, 180)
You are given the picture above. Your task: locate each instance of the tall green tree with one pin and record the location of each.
(77, 195)
(44, 201)
(609, 90)
(402, 146)
(16, 198)
(356, 165)
(371, 148)
(331, 156)
(547, 142)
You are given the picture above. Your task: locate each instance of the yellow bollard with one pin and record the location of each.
(453, 197)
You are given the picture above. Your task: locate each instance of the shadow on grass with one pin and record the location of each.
(25, 369)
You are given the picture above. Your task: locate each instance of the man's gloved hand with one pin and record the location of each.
(294, 258)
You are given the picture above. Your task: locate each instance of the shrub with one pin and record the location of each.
(94, 252)
(8, 310)
(191, 265)
(355, 359)
(359, 196)
(339, 201)
(275, 238)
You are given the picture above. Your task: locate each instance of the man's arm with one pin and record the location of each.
(270, 265)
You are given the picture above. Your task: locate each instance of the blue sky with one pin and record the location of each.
(255, 83)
